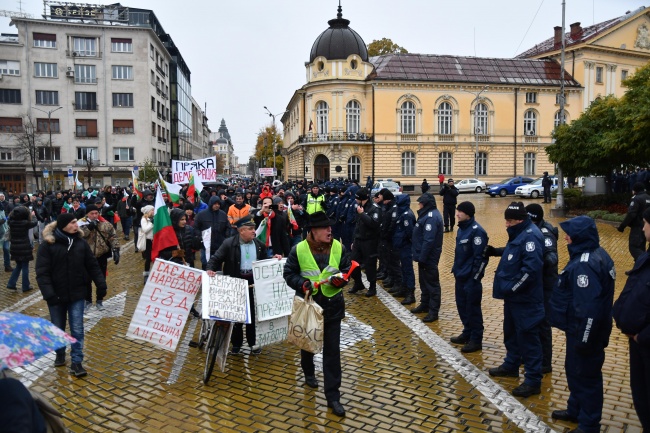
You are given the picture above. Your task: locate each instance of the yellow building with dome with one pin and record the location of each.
(412, 116)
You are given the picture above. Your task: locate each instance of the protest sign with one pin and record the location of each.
(166, 299)
(271, 331)
(273, 298)
(206, 170)
(226, 298)
(267, 172)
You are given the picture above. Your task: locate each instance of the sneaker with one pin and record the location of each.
(525, 390)
(501, 371)
(235, 350)
(256, 350)
(60, 360)
(77, 370)
(100, 305)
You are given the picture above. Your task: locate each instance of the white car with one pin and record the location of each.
(470, 185)
(381, 184)
(535, 188)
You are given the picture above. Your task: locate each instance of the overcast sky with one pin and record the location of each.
(245, 55)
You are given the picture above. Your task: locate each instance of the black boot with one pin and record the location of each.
(420, 309)
(381, 276)
(410, 299)
(371, 292)
(356, 289)
(388, 283)
(394, 289)
(402, 293)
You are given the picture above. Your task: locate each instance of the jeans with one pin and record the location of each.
(20, 266)
(127, 223)
(74, 311)
(6, 254)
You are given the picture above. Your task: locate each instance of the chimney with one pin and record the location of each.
(557, 38)
(576, 30)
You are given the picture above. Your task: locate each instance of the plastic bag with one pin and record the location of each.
(306, 324)
(142, 241)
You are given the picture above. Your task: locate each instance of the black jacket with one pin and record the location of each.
(64, 266)
(20, 225)
(449, 194)
(388, 219)
(218, 221)
(280, 230)
(228, 256)
(368, 222)
(634, 217)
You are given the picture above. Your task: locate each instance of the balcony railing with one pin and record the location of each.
(530, 139)
(85, 107)
(85, 135)
(409, 137)
(445, 137)
(85, 162)
(482, 138)
(338, 136)
(82, 80)
(161, 71)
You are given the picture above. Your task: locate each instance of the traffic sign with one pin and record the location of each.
(46, 174)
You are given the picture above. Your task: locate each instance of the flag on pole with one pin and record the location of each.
(195, 186)
(263, 232)
(311, 126)
(173, 190)
(76, 181)
(136, 186)
(163, 232)
(292, 219)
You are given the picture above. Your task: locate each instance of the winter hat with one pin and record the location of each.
(277, 200)
(362, 194)
(467, 208)
(146, 209)
(175, 215)
(535, 212)
(516, 211)
(386, 194)
(91, 207)
(64, 219)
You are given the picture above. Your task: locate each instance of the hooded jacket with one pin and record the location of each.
(404, 223)
(64, 265)
(581, 304)
(215, 220)
(20, 224)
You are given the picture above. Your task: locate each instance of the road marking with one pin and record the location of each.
(113, 307)
(502, 399)
(24, 303)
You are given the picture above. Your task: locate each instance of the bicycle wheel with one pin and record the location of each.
(203, 335)
(217, 334)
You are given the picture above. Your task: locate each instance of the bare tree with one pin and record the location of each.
(28, 140)
(90, 164)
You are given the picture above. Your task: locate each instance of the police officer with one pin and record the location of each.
(366, 241)
(427, 248)
(518, 282)
(449, 195)
(314, 201)
(546, 184)
(315, 259)
(402, 237)
(550, 233)
(468, 269)
(581, 306)
(390, 254)
(634, 219)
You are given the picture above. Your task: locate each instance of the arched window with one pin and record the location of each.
(481, 119)
(529, 163)
(530, 123)
(354, 168)
(481, 164)
(322, 116)
(556, 121)
(408, 164)
(407, 118)
(444, 118)
(444, 163)
(353, 117)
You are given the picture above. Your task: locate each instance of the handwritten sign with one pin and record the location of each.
(267, 172)
(226, 298)
(273, 298)
(206, 170)
(166, 299)
(271, 331)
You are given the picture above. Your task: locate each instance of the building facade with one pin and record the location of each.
(222, 145)
(115, 88)
(407, 117)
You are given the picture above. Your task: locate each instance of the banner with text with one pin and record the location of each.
(271, 331)
(166, 299)
(206, 170)
(267, 172)
(273, 298)
(226, 298)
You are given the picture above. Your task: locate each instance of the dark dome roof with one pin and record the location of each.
(339, 41)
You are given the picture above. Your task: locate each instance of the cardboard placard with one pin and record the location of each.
(273, 298)
(226, 298)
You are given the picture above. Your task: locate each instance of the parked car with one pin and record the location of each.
(535, 189)
(393, 187)
(470, 185)
(507, 186)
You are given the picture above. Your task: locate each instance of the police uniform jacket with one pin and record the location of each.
(427, 236)
(581, 304)
(634, 217)
(368, 222)
(404, 223)
(550, 234)
(469, 260)
(631, 308)
(388, 218)
(518, 276)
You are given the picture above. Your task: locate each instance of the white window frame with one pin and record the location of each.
(10, 67)
(445, 163)
(44, 150)
(118, 152)
(599, 74)
(445, 116)
(482, 162)
(530, 123)
(354, 168)
(6, 156)
(408, 163)
(624, 74)
(40, 43)
(122, 47)
(84, 47)
(322, 119)
(85, 74)
(530, 159)
(407, 118)
(46, 70)
(47, 97)
(556, 119)
(353, 117)
(82, 153)
(531, 97)
(481, 119)
(122, 72)
(124, 100)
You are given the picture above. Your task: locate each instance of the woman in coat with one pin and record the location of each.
(146, 232)
(20, 228)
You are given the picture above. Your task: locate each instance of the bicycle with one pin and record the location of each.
(216, 331)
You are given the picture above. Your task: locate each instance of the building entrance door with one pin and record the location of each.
(321, 168)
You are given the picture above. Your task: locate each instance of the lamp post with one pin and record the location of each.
(475, 102)
(49, 128)
(271, 115)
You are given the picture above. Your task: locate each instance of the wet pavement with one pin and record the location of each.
(399, 374)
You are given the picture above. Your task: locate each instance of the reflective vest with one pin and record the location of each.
(309, 268)
(314, 203)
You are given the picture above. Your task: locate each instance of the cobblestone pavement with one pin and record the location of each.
(399, 374)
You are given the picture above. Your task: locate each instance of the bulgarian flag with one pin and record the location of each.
(173, 191)
(136, 187)
(263, 232)
(67, 206)
(195, 186)
(163, 232)
(292, 219)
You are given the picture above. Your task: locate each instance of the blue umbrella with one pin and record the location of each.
(23, 339)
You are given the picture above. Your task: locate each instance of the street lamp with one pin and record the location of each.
(49, 128)
(475, 103)
(273, 117)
